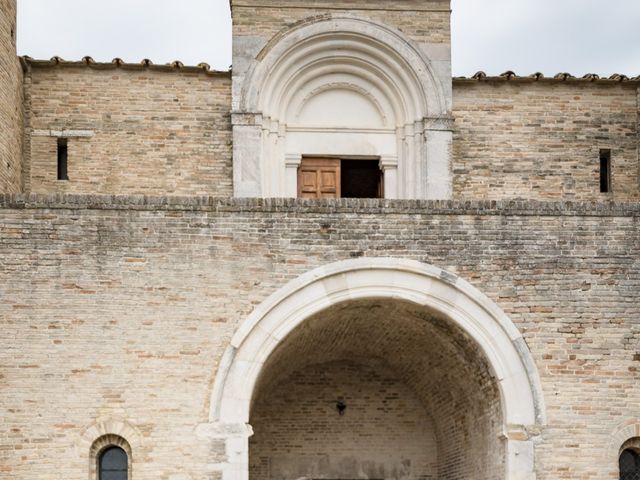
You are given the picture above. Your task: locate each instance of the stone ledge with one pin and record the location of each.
(363, 206)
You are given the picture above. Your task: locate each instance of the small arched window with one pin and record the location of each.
(629, 465)
(113, 464)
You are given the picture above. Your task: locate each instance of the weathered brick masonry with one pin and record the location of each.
(426, 22)
(517, 139)
(129, 130)
(542, 139)
(10, 101)
(121, 307)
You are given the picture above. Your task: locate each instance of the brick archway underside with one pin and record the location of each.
(420, 399)
(424, 317)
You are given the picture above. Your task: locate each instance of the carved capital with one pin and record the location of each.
(292, 160)
(388, 162)
(246, 118)
(439, 124)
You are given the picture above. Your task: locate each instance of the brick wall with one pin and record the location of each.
(424, 22)
(142, 131)
(541, 140)
(299, 433)
(10, 101)
(122, 307)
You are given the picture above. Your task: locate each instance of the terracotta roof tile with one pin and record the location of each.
(538, 76)
(120, 63)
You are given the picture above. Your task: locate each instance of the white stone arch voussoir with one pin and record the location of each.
(407, 280)
(387, 46)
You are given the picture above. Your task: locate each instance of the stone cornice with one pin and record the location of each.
(516, 207)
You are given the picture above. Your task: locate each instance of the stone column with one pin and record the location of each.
(292, 162)
(236, 437)
(389, 167)
(438, 137)
(247, 154)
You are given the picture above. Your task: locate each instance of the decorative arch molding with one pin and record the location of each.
(375, 61)
(103, 434)
(270, 323)
(109, 427)
(626, 434)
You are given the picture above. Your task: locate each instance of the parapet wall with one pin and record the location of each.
(11, 97)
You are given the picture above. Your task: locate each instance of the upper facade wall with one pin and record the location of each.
(542, 140)
(10, 101)
(169, 133)
(424, 21)
(129, 131)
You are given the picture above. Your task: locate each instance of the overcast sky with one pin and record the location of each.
(551, 36)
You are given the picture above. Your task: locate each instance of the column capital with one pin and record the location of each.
(246, 118)
(292, 160)
(438, 123)
(224, 430)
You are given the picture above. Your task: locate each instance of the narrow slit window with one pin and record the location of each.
(605, 171)
(62, 159)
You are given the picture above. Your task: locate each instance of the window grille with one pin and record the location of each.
(629, 465)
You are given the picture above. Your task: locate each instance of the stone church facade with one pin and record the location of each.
(333, 262)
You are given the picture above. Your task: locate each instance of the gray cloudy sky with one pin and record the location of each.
(576, 36)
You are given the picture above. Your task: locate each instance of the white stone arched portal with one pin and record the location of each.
(348, 87)
(407, 280)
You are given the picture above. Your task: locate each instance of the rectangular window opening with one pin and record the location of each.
(62, 159)
(340, 178)
(605, 171)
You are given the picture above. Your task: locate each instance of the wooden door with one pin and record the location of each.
(319, 178)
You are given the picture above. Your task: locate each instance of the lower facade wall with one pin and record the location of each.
(118, 309)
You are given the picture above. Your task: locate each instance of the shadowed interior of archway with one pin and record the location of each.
(417, 397)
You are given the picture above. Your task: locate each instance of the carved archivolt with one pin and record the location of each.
(378, 70)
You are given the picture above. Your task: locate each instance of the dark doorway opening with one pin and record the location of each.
(361, 179)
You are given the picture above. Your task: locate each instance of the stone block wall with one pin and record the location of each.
(11, 113)
(121, 308)
(129, 130)
(542, 140)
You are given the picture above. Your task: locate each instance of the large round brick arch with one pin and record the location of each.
(398, 279)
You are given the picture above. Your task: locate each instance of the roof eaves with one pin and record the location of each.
(510, 76)
(176, 66)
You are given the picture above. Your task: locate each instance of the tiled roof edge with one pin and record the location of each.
(176, 66)
(539, 77)
(204, 67)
